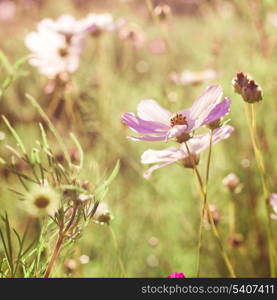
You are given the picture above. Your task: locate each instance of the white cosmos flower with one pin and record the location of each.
(56, 46)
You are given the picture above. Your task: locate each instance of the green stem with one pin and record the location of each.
(200, 234)
(252, 123)
(117, 252)
(214, 229)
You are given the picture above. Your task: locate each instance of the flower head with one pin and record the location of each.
(176, 275)
(197, 144)
(231, 181)
(158, 124)
(56, 46)
(41, 201)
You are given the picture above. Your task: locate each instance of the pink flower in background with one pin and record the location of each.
(158, 124)
(176, 275)
(7, 10)
(197, 144)
(97, 23)
(273, 203)
(53, 52)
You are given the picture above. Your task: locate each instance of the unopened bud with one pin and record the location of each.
(184, 137)
(70, 266)
(191, 161)
(235, 240)
(214, 214)
(162, 11)
(231, 181)
(215, 124)
(244, 85)
(82, 198)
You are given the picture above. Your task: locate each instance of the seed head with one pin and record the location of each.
(244, 85)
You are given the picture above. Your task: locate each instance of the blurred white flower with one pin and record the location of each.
(190, 77)
(54, 51)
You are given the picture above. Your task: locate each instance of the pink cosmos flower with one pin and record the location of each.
(55, 48)
(273, 203)
(197, 144)
(176, 275)
(158, 124)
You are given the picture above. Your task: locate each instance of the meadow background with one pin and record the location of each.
(155, 221)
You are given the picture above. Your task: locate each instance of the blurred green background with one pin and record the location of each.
(155, 221)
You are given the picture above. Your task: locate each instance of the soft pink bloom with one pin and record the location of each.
(176, 275)
(273, 203)
(158, 124)
(98, 23)
(7, 10)
(197, 144)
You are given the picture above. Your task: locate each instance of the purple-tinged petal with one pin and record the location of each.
(150, 138)
(157, 156)
(150, 110)
(142, 126)
(199, 143)
(149, 172)
(205, 104)
(177, 130)
(219, 111)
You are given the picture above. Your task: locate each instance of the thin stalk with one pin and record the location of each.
(57, 248)
(252, 124)
(117, 252)
(150, 7)
(214, 229)
(200, 234)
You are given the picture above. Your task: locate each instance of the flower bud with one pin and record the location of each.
(215, 124)
(191, 161)
(236, 240)
(231, 181)
(70, 266)
(252, 92)
(102, 214)
(214, 213)
(244, 85)
(162, 11)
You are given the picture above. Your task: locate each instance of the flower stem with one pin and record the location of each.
(117, 250)
(203, 209)
(214, 229)
(62, 235)
(252, 123)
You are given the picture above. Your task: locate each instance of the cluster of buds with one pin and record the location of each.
(244, 85)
